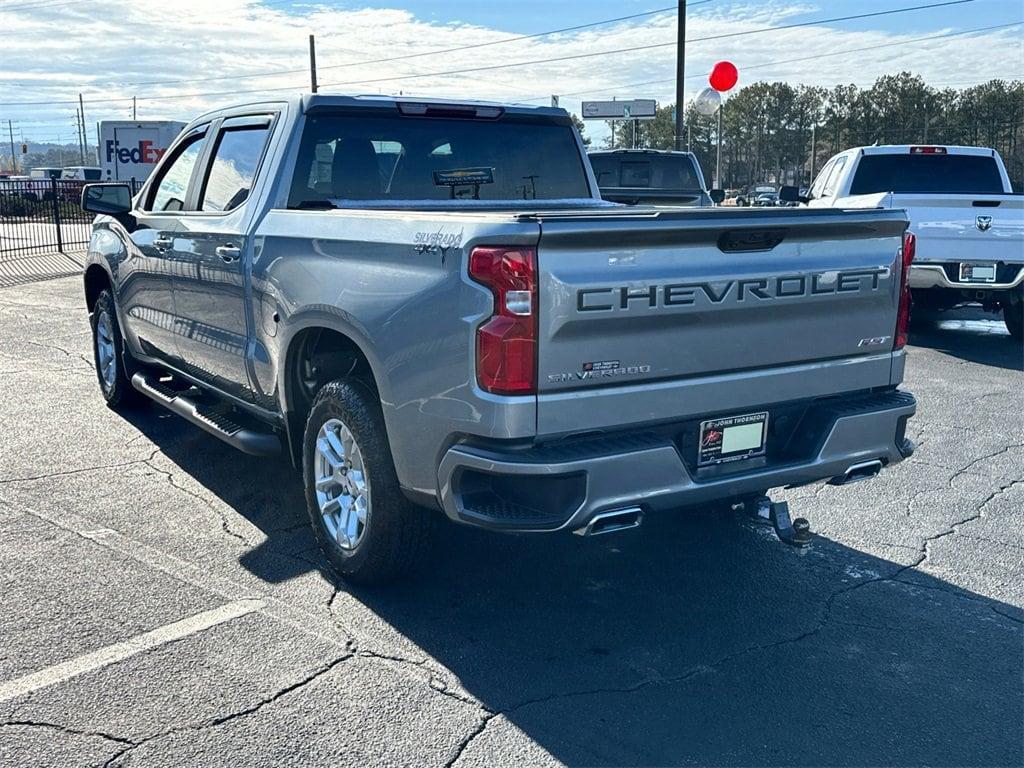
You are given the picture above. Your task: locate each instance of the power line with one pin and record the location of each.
(650, 46)
(426, 53)
(559, 58)
(790, 61)
(32, 6)
(756, 66)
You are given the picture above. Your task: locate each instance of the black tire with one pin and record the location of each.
(1013, 316)
(117, 389)
(923, 318)
(397, 533)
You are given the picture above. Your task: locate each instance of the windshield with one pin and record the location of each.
(384, 158)
(638, 171)
(933, 173)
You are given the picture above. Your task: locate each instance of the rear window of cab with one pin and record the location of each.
(927, 173)
(396, 157)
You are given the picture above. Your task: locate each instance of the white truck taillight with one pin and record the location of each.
(903, 313)
(506, 344)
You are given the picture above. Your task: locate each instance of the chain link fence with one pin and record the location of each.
(43, 231)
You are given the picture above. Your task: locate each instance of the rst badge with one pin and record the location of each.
(875, 341)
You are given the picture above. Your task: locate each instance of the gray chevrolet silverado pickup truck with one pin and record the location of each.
(426, 304)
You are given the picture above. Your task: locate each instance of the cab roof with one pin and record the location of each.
(904, 149)
(308, 102)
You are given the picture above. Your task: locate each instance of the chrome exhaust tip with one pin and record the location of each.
(857, 472)
(610, 522)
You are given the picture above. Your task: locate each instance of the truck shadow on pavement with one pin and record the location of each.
(696, 639)
(972, 335)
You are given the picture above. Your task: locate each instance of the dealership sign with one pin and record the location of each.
(620, 109)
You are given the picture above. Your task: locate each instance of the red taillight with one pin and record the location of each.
(506, 344)
(903, 313)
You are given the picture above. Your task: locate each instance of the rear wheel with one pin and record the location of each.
(1013, 316)
(926, 309)
(367, 528)
(114, 364)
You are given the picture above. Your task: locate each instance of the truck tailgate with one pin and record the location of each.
(952, 228)
(655, 315)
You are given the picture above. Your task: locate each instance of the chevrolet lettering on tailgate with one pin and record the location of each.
(761, 289)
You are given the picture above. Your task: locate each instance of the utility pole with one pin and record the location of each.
(81, 107)
(814, 150)
(312, 64)
(14, 158)
(133, 109)
(78, 130)
(680, 72)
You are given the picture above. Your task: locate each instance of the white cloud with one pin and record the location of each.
(106, 49)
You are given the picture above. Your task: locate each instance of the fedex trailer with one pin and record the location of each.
(130, 149)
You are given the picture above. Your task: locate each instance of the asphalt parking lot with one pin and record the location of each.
(162, 602)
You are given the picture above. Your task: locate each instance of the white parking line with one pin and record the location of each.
(321, 625)
(111, 654)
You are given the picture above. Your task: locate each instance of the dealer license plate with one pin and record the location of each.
(977, 273)
(732, 438)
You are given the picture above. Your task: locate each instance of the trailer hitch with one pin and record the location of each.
(796, 533)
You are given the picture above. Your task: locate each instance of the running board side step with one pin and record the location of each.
(208, 419)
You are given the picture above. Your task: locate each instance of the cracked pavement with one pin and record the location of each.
(897, 638)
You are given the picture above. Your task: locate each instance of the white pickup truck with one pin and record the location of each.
(961, 206)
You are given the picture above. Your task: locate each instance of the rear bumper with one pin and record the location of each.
(938, 276)
(564, 485)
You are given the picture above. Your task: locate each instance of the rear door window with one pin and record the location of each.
(931, 173)
(233, 167)
(378, 158)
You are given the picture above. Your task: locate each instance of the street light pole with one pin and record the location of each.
(680, 73)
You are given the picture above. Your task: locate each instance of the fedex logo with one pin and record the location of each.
(145, 153)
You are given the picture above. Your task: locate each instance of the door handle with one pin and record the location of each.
(162, 243)
(229, 253)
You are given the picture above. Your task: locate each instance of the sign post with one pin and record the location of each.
(633, 110)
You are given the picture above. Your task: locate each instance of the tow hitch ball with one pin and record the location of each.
(796, 533)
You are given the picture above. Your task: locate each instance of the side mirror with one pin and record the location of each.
(791, 195)
(108, 199)
(717, 196)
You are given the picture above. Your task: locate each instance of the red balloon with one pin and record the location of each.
(723, 76)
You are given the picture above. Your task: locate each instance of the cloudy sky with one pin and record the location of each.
(182, 58)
